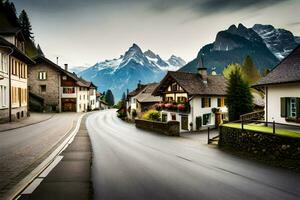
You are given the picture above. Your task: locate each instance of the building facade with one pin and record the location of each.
(13, 76)
(282, 91)
(195, 100)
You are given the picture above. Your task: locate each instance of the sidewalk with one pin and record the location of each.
(33, 119)
(71, 177)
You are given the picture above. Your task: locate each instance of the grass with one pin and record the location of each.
(264, 129)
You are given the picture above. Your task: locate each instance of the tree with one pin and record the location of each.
(25, 25)
(109, 98)
(249, 71)
(230, 68)
(239, 99)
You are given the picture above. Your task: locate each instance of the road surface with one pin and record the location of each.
(22, 149)
(129, 163)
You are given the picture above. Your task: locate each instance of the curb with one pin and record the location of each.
(19, 187)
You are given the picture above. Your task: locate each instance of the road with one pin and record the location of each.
(22, 149)
(129, 163)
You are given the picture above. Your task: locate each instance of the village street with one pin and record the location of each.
(129, 164)
(22, 149)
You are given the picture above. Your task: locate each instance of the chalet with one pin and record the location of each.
(58, 90)
(196, 100)
(145, 100)
(13, 75)
(282, 90)
(131, 100)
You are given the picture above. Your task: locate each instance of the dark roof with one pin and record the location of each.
(193, 84)
(10, 31)
(79, 81)
(16, 52)
(145, 96)
(136, 91)
(287, 71)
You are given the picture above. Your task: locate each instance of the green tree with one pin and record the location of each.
(239, 99)
(249, 71)
(230, 68)
(109, 98)
(25, 25)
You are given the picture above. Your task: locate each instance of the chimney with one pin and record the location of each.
(66, 67)
(202, 71)
(139, 85)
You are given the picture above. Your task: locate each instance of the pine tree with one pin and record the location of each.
(109, 98)
(230, 68)
(249, 71)
(26, 25)
(239, 99)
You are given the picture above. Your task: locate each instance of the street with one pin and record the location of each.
(22, 149)
(129, 163)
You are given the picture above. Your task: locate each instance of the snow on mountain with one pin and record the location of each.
(126, 71)
(172, 64)
(280, 41)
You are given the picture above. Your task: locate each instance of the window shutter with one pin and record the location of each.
(283, 107)
(298, 107)
(202, 102)
(209, 102)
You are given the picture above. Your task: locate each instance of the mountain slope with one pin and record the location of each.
(280, 41)
(265, 44)
(125, 72)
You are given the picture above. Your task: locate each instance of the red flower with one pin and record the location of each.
(181, 107)
(168, 105)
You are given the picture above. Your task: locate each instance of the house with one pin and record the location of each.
(131, 101)
(282, 90)
(54, 89)
(145, 100)
(13, 76)
(100, 104)
(196, 100)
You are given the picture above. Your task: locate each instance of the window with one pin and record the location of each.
(290, 107)
(68, 90)
(3, 62)
(43, 88)
(181, 99)
(206, 102)
(174, 87)
(206, 119)
(3, 96)
(14, 95)
(221, 102)
(164, 117)
(64, 78)
(42, 75)
(173, 117)
(169, 99)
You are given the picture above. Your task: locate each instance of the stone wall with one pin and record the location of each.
(261, 144)
(51, 96)
(170, 128)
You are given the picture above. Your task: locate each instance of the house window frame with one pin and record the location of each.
(42, 75)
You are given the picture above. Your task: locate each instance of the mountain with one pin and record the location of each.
(297, 39)
(78, 69)
(126, 71)
(265, 44)
(280, 41)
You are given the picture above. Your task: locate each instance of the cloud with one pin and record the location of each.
(213, 6)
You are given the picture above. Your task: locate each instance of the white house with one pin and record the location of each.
(282, 90)
(196, 100)
(131, 101)
(13, 76)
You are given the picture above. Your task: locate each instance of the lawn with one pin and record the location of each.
(264, 129)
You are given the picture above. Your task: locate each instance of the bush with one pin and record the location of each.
(134, 113)
(122, 115)
(152, 115)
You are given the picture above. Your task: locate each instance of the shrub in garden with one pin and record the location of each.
(152, 115)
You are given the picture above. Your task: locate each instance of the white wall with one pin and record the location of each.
(4, 100)
(275, 92)
(82, 99)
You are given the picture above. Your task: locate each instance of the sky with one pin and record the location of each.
(82, 33)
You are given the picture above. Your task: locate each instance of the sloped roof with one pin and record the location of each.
(136, 91)
(193, 84)
(145, 96)
(287, 71)
(16, 52)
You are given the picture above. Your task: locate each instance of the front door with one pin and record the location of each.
(184, 123)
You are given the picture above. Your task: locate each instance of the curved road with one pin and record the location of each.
(129, 163)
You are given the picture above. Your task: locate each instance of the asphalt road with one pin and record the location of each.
(129, 163)
(22, 149)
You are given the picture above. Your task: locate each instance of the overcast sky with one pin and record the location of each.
(84, 32)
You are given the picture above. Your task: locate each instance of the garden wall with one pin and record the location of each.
(170, 128)
(261, 144)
